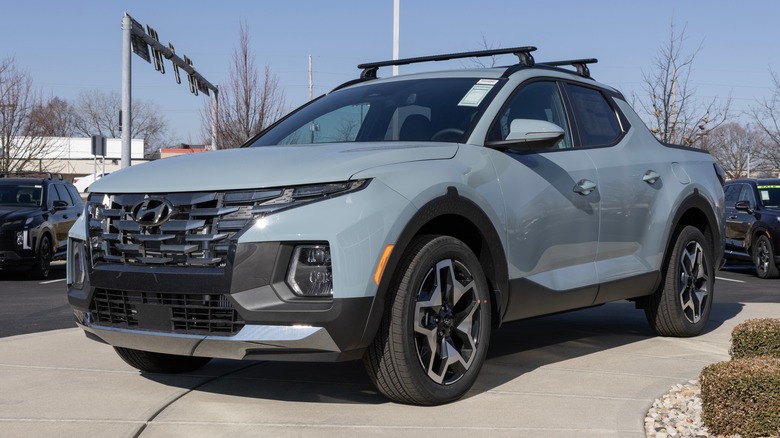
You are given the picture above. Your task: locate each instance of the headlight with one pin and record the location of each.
(77, 261)
(310, 273)
(267, 201)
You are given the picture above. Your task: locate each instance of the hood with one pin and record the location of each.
(267, 166)
(9, 214)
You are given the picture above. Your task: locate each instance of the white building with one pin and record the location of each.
(73, 156)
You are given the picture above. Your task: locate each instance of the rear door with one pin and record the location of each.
(630, 181)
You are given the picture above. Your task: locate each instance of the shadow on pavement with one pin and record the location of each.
(515, 349)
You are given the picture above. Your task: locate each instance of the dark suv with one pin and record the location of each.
(35, 216)
(753, 223)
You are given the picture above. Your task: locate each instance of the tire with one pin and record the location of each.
(435, 332)
(150, 362)
(681, 307)
(764, 258)
(42, 266)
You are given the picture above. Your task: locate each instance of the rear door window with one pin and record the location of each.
(597, 122)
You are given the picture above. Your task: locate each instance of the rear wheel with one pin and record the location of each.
(764, 258)
(160, 362)
(434, 337)
(681, 307)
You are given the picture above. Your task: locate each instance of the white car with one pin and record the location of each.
(82, 183)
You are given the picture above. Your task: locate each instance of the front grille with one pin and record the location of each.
(196, 314)
(187, 229)
(195, 230)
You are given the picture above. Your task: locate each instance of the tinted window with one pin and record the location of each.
(52, 195)
(732, 194)
(746, 194)
(537, 101)
(22, 195)
(770, 194)
(74, 194)
(62, 192)
(597, 122)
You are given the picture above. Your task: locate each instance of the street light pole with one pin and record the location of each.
(396, 33)
(127, 130)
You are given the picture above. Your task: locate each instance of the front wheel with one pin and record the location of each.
(160, 362)
(764, 258)
(434, 335)
(681, 306)
(42, 266)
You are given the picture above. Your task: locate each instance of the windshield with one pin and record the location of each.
(770, 195)
(411, 110)
(21, 195)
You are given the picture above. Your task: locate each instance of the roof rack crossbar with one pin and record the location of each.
(580, 64)
(523, 54)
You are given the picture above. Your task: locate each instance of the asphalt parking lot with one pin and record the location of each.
(588, 373)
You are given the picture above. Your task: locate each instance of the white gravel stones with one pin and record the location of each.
(677, 414)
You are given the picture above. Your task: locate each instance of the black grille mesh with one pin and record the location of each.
(207, 314)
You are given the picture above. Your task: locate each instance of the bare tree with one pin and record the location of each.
(248, 103)
(766, 115)
(485, 45)
(97, 113)
(53, 118)
(674, 113)
(734, 150)
(21, 147)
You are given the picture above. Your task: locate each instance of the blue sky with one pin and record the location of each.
(72, 46)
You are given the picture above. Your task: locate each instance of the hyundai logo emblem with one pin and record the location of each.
(152, 212)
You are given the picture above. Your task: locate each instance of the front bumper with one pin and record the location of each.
(265, 342)
(242, 311)
(16, 259)
(241, 307)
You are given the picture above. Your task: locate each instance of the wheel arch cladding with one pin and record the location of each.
(696, 211)
(458, 217)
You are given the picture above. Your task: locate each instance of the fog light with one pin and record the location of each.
(310, 272)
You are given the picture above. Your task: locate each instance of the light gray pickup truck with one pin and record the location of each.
(399, 221)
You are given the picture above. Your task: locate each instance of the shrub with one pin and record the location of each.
(742, 396)
(756, 337)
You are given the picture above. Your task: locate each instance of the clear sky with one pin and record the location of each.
(72, 46)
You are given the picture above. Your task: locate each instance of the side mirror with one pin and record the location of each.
(526, 134)
(59, 205)
(743, 206)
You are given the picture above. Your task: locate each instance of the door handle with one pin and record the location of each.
(651, 177)
(585, 187)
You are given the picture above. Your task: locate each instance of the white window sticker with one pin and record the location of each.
(478, 92)
(764, 195)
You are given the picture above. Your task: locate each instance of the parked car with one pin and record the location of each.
(35, 216)
(82, 183)
(753, 223)
(401, 221)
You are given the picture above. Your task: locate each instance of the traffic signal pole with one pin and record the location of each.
(135, 39)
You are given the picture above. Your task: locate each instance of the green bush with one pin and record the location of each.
(756, 337)
(742, 396)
